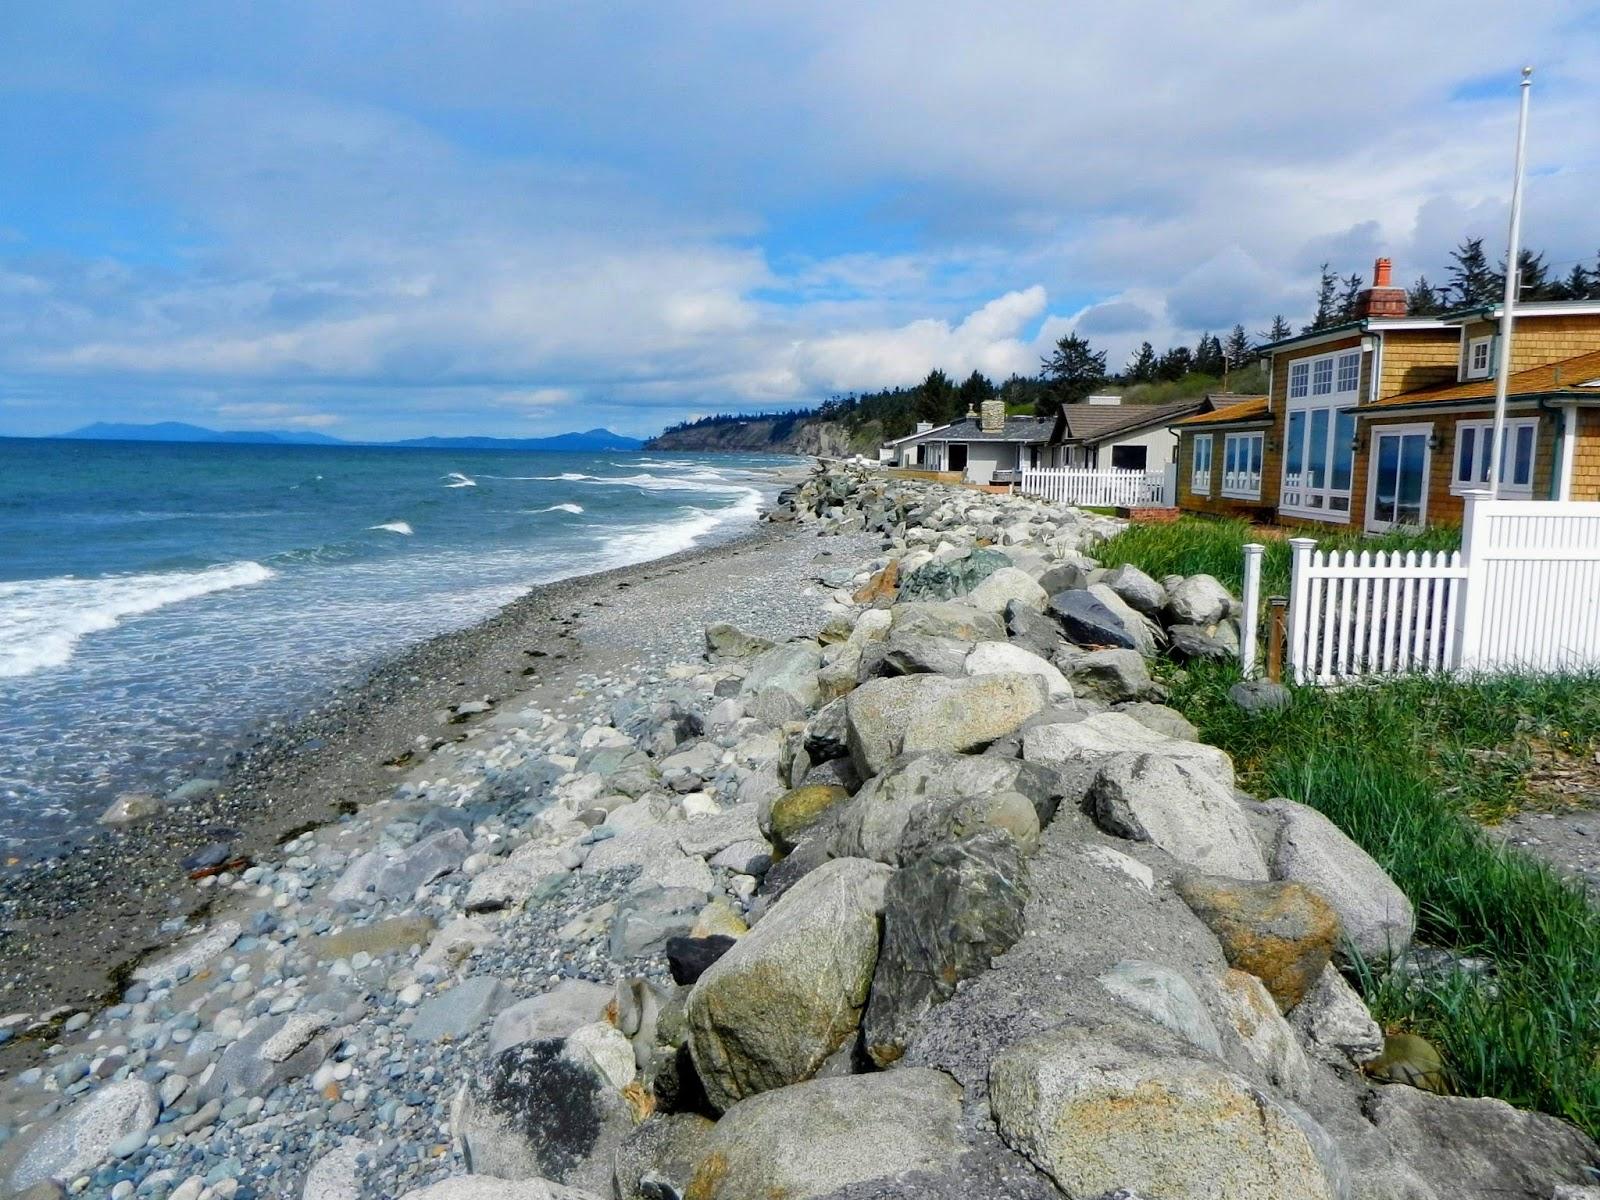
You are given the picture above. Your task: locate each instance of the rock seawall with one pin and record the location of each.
(935, 899)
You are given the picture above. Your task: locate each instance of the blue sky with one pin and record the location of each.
(398, 218)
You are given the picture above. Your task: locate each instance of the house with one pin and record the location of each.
(1381, 422)
(911, 450)
(986, 445)
(1102, 432)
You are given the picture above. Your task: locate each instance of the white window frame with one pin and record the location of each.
(1322, 383)
(1243, 482)
(1480, 435)
(1200, 484)
(1373, 525)
(1472, 368)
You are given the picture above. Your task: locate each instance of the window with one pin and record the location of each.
(1475, 447)
(1129, 458)
(1241, 465)
(1480, 358)
(1318, 436)
(1200, 474)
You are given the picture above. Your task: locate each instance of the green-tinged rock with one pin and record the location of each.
(785, 820)
(1409, 1059)
(947, 580)
(890, 717)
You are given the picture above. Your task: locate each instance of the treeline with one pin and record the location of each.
(783, 423)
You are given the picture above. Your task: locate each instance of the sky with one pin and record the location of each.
(395, 218)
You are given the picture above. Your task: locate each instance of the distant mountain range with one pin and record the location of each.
(178, 431)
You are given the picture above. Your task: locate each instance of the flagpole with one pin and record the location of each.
(1513, 253)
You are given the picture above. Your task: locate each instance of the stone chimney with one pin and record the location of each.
(1382, 299)
(993, 418)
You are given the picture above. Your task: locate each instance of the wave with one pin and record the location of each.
(458, 480)
(656, 541)
(566, 508)
(43, 620)
(700, 481)
(395, 527)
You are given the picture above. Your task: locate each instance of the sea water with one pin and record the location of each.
(158, 599)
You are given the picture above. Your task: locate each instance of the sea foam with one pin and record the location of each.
(395, 527)
(43, 620)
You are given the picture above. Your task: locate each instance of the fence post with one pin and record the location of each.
(1275, 633)
(1468, 633)
(1300, 599)
(1252, 608)
(1169, 485)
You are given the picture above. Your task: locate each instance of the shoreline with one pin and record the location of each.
(73, 928)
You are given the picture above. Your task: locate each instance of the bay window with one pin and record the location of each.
(1200, 466)
(1318, 457)
(1475, 447)
(1241, 465)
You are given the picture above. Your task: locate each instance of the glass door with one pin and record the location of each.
(1397, 496)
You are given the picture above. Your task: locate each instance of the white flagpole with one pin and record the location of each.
(1513, 252)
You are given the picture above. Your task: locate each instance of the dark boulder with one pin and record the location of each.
(1087, 622)
(689, 957)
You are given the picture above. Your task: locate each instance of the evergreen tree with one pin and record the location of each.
(936, 399)
(974, 390)
(1208, 356)
(1472, 281)
(1279, 330)
(1237, 348)
(1578, 284)
(1533, 277)
(1175, 364)
(1142, 366)
(1349, 298)
(1073, 371)
(1327, 301)
(1422, 300)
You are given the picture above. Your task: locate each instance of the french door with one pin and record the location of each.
(1397, 484)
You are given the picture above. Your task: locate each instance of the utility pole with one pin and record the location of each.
(1513, 253)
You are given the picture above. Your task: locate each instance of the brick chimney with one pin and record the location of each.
(993, 418)
(1382, 299)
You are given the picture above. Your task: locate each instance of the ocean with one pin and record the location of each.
(158, 601)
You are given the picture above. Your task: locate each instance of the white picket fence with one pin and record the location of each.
(1522, 593)
(1096, 488)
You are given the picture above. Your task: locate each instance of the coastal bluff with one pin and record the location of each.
(907, 883)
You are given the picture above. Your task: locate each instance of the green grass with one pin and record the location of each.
(1398, 766)
(1214, 546)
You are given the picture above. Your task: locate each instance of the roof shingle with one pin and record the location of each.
(1574, 376)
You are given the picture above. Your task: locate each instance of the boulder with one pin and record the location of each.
(947, 619)
(813, 1139)
(688, 958)
(1412, 1060)
(455, 1012)
(1190, 643)
(565, 1008)
(1138, 591)
(889, 717)
(530, 873)
(786, 819)
(1260, 695)
(1088, 622)
(396, 874)
(484, 1187)
(1110, 675)
(1096, 738)
(929, 793)
(648, 916)
(880, 590)
(790, 669)
(1267, 1038)
(659, 1155)
(1159, 717)
(1167, 998)
(999, 658)
(81, 1138)
(825, 734)
(770, 1010)
(1471, 1148)
(1334, 1023)
(1063, 577)
(275, 1051)
(947, 915)
(545, 1109)
(1199, 600)
(725, 641)
(1144, 632)
(1377, 917)
(1098, 1111)
(1282, 933)
(1155, 798)
(947, 580)
(1005, 587)
(1032, 630)
(917, 654)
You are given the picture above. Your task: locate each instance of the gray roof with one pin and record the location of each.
(1016, 429)
(1100, 422)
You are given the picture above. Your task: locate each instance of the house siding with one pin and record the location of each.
(1418, 358)
(1538, 340)
(1217, 504)
(1586, 463)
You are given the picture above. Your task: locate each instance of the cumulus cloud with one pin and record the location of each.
(433, 220)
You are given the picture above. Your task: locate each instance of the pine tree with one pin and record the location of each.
(1073, 370)
(974, 391)
(1472, 281)
(1575, 286)
(1326, 313)
(1175, 364)
(1279, 330)
(936, 398)
(1349, 298)
(1208, 356)
(1422, 300)
(1237, 348)
(1533, 277)
(1142, 366)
